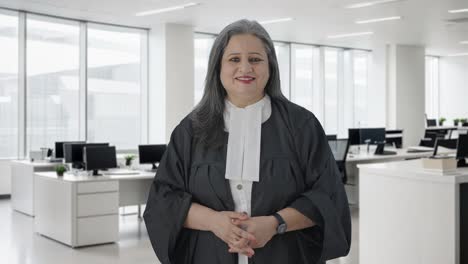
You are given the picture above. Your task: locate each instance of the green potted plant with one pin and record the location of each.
(60, 170)
(456, 121)
(441, 121)
(128, 159)
(463, 121)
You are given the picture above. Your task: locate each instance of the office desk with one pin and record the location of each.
(83, 210)
(364, 157)
(22, 183)
(411, 215)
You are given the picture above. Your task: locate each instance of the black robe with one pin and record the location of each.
(297, 170)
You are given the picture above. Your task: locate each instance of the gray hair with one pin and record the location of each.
(207, 117)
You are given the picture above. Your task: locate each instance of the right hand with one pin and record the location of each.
(224, 227)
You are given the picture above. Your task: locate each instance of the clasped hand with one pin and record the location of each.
(243, 233)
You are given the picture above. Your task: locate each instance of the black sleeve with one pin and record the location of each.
(168, 202)
(324, 200)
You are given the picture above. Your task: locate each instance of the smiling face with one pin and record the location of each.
(244, 70)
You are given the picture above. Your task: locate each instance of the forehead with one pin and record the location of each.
(244, 43)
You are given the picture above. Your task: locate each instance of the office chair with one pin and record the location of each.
(339, 148)
(465, 124)
(446, 143)
(430, 139)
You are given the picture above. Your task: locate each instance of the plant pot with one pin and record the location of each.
(455, 123)
(128, 163)
(441, 123)
(60, 174)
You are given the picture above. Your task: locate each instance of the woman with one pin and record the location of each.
(247, 174)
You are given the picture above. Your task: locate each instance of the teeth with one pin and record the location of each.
(245, 79)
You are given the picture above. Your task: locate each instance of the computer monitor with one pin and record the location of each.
(99, 158)
(359, 136)
(73, 152)
(462, 150)
(446, 143)
(431, 122)
(151, 154)
(59, 153)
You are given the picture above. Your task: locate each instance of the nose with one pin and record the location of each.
(245, 66)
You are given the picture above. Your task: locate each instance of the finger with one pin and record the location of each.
(244, 234)
(248, 251)
(242, 216)
(241, 243)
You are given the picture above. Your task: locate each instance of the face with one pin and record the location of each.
(244, 69)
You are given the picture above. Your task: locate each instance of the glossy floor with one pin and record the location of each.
(20, 245)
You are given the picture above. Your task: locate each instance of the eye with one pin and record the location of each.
(234, 59)
(255, 60)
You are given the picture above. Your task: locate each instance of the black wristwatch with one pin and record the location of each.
(282, 226)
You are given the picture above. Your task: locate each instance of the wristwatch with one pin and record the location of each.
(282, 226)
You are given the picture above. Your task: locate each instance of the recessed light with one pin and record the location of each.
(458, 54)
(371, 3)
(167, 9)
(276, 20)
(454, 11)
(464, 42)
(351, 35)
(375, 20)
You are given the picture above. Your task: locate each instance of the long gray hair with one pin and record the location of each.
(207, 117)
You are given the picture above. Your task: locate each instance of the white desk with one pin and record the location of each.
(83, 210)
(22, 183)
(364, 157)
(410, 215)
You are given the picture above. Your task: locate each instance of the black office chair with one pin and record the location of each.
(339, 148)
(446, 143)
(465, 124)
(331, 137)
(430, 139)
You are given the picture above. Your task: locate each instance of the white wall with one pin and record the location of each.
(5, 177)
(453, 91)
(406, 91)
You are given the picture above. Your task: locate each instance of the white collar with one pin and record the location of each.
(245, 130)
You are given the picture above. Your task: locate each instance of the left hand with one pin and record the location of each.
(262, 227)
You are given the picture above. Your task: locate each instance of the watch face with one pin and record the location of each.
(281, 228)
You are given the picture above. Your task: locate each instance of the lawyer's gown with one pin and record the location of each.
(297, 170)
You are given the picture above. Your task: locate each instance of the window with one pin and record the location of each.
(282, 54)
(115, 93)
(52, 85)
(203, 44)
(8, 85)
(302, 79)
(331, 90)
(360, 77)
(432, 87)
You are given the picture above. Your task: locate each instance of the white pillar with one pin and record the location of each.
(171, 79)
(406, 91)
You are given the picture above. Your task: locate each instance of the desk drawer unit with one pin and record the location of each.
(97, 204)
(97, 230)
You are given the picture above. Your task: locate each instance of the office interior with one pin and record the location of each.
(386, 79)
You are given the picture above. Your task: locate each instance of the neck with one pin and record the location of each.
(244, 102)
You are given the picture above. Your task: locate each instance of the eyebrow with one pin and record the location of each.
(238, 53)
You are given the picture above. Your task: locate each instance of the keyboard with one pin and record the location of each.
(120, 172)
(419, 149)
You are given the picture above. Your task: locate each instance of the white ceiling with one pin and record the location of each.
(424, 21)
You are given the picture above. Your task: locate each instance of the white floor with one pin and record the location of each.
(20, 245)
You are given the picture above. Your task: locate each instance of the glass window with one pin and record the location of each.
(52, 67)
(360, 76)
(331, 90)
(8, 85)
(432, 87)
(302, 70)
(282, 54)
(203, 44)
(114, 95)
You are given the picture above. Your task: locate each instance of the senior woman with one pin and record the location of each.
(248, 176)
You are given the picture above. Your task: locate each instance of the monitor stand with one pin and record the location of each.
(462, 163)
(155, 167)
(380, 150)
(96, 173)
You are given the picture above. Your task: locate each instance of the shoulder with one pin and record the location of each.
(184, 128)
(296, 117)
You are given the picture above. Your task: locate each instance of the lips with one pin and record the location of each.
(245, 79)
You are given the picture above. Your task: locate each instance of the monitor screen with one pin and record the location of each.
(99, 157)
(462, 147)
(354, 136)
(73, 152)
(372, 135)
(359, 136)
(59, 150)
(151, 153)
